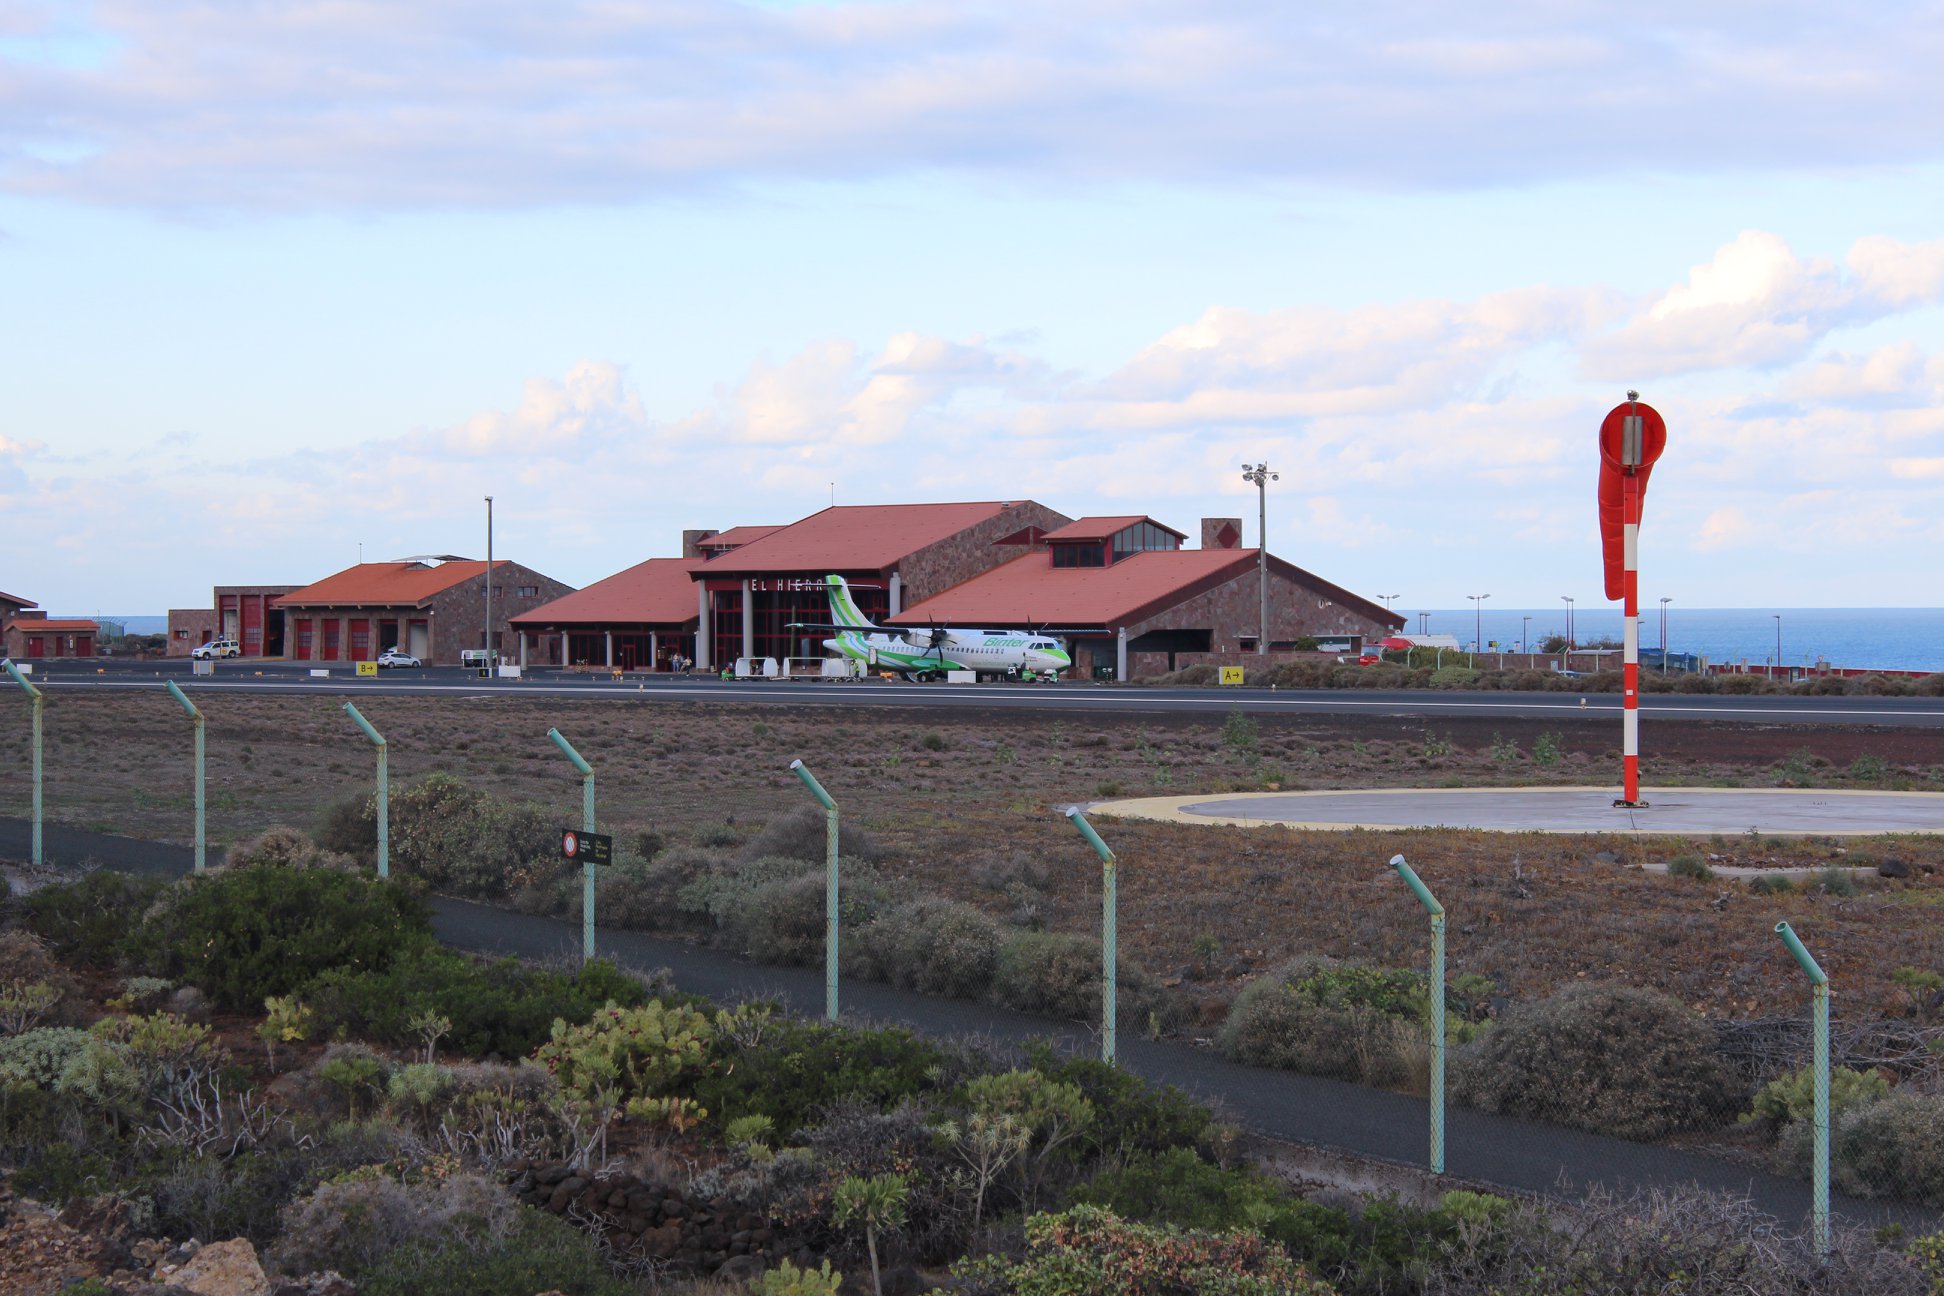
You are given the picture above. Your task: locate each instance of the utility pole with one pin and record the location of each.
(1261, 477)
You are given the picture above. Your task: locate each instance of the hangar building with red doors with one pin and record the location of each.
(433, 607)
(246, 614)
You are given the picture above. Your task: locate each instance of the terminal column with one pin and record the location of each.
(704, 632)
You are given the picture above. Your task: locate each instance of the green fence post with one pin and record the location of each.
(1819, 1010)
(35, 694)
(1437, 912)
(1109, 938)
(809, 780)
(384, 788)
(587, 825)
(197, 717)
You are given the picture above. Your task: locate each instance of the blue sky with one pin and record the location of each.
(277, 281)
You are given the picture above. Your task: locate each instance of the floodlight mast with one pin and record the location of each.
(1260, 477)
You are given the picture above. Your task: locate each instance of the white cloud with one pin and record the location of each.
(591, 405)
(1756, 304)
(345, 104)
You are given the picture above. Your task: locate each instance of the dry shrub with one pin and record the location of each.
(280, 846)
(801, 834)
(1615, 1060)
(1657, 1241)
(1891, 1148)
(353, 1224)
(27, 959)
(935, 946)
(464, 840)
(1056, 974)
(783, 921)
(1319, 1017)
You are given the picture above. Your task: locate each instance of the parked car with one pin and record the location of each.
(393, 657)
(215, 649)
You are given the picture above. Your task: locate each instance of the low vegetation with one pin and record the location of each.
(398, 1146)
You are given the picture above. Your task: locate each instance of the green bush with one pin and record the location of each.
(1056, 974)
(242, 935)
(1690, 866)
(1132, 1115)
(90, 921)
(501, 1006)
(1319, 1017)
(1177, 1187)
(350, 827)
(935, 946)
(719, 890)
(646, 894)
(797, 1069)
(1893, 1148)
(1793, 1097)
(461, 839)
(1611, 1059)
(37, 1057)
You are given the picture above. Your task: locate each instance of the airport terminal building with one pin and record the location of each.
(1124, 592)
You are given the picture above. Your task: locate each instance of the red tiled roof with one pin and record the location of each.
(33, 625)
(1031, 589)
(656, 592)
(1100, 528)
(853, 537)
(737, 536)
(386, 584)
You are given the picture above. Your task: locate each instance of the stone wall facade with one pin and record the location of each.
(189, 629)
(1232, 610)
(460, 610)
(957, 559)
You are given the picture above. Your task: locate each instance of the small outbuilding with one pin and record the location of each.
(432, 607)
(29, 636)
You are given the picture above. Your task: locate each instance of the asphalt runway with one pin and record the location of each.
(1074, 697)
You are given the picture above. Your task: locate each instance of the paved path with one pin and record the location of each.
(1780, 812)
(1373, 1123)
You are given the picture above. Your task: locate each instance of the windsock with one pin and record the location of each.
(1631, 438)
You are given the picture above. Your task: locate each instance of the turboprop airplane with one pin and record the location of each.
(922, 652)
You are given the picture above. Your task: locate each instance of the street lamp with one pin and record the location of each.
(1388, 599)
(1261, 477)
(1424, 623)
(486, 640)
(1665, 600)
(1571, 642)
(1525, 636)
(1778, 639)
(1478, 635)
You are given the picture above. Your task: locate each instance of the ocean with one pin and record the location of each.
(1861, 638)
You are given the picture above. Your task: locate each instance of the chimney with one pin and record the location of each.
(1221, 533)
(692, 541)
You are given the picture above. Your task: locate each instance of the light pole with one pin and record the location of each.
(1778, 640)
(486, 640)
(1261, 477)
(1478, 620)
(1388, 599)
(1571, 642)
(1665, 600)
(1424, 623)
(1525, 636)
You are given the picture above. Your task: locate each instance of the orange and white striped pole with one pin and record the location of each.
(1631, 439)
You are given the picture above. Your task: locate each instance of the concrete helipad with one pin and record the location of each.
(1778, 812)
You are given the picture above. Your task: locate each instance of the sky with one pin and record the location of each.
(285, 284)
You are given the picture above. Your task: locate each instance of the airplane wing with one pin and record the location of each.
(826, 626)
